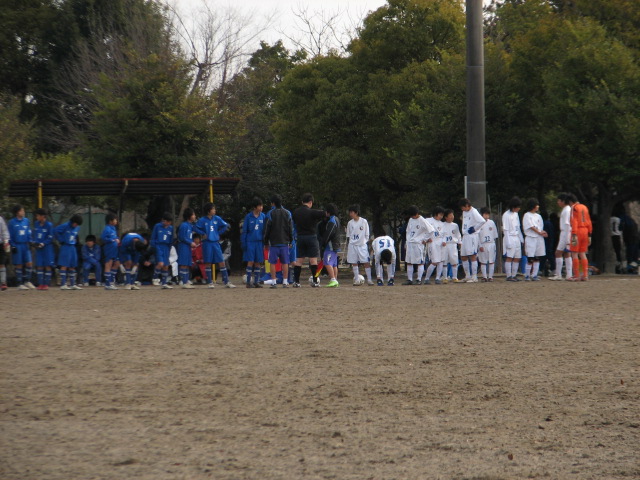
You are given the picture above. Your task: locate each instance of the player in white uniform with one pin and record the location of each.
(487, 235)
(357, 250)
(453, 240)
(436, 246)
(564, 239)
(472, 221)
(384, 252)
(418, 233)
(512, 240)
(534, 235)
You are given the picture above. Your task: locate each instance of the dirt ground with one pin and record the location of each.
(481, 381)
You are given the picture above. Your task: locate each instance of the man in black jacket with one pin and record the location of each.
(278, 234)
(306, 220)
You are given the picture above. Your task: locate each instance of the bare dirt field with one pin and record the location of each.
(481, 381)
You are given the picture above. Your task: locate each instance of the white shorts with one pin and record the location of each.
(515, 251)
(564, 241)
(436, 251)
(534, 246)
(415, 253)
(469, 245)
(450, 254)
(489, 254)
(357, 254)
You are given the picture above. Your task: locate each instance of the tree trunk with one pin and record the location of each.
(603, 255)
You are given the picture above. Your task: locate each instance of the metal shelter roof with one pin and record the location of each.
(123, 186)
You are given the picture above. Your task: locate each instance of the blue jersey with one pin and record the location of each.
(127, 240)
(109, 235)
(211, 228)
(253, 228)
(66, 234)
(43, 233)
(19, 231)
(91, 253)
(185, 233)
(161, 235)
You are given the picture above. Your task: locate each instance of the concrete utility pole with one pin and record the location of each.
(476, 170)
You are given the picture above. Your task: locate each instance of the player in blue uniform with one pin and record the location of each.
(131, 246)
(110, 250)
(161, 240)
(211, 227)
(19, 238)
(252, 242)
(185, 244)
(91, 259)
(42, 238)
(67, 236)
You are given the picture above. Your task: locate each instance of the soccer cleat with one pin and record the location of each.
(155, 281)
(456, 280)
(490, 279)
(135, 287)
(445, 281)
(257, 285)
(484, 279)
(185, 285)
(30, 285)
(296, 285)
(166, 286)
(75, 287)
(380, 283)
(573, 279)
(332, 284)
(65, 287)
(249, 285)
(315, 284)
(273, 285)
(128, 287)
(110, 287)
(229, 285)
(211, 285)
(438, 281)
(391, 282)
(584, 279)
(535, 279)
(472, 280)
(555, 278)
(3, 287)
(98, 284)
(86, 284)
(407, 282)
(22, 287)
(426, 282)
(527, 278)
(285, 285)
(370, 283)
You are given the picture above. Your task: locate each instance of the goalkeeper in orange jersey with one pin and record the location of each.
(581, 229)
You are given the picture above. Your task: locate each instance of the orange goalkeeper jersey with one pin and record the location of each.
(580, 219)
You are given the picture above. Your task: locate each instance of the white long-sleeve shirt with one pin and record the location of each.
(472, 219)
(511, 229)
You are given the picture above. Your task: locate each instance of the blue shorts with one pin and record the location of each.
(254, 252)
(129, 255)
(110, 252)
(330, 258)
(162, 253)
(184, 255)
(45, 256)
(211, 252)
(68, 256)
(23, 255)
(279, 253)
(88, 264)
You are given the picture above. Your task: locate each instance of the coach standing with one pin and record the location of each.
(306, 220)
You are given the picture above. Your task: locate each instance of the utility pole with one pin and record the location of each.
(476, 169)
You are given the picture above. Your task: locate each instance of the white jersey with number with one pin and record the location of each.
(358, 231)
(418, 230)
(381, 244)
(488, 233)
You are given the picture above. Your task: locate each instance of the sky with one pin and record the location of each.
(281, 13)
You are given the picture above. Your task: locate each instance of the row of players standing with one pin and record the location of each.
(18, 238)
